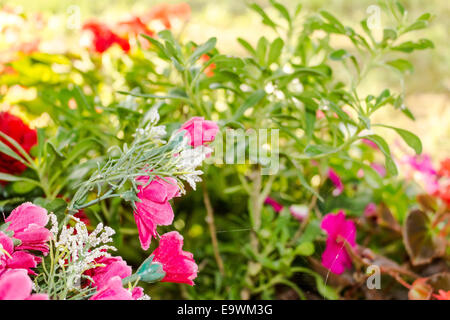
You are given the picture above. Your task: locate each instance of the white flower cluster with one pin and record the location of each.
(151, 130)
(188, 160)
(77, 249)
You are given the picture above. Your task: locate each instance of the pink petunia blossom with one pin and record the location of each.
(16, 285)
(336, 181)
(154, 208)
(200, 131)
(113, 290)
(335, 257)
(10, 259)
(28, 223)
(420, 168)
(178, 265)
(277, 207)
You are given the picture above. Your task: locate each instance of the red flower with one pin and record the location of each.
(154, 208)
(20, 132)
(442, 295)
(164, 12)
(112, 267)
(444, 171)
(133, 28)
(209, 70)
(104, 38)
(178, 265)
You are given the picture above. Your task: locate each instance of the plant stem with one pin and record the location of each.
(212, 228)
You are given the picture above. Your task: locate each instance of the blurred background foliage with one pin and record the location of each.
(427, 89)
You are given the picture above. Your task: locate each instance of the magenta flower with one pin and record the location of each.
(28, 223)
(112, 267)
(426, 174)
(277, 207)
(336, 181)
(200, 131)
(370, 210)
(10, 259)
(16, 285)
(335, 257)
(154, 208)
(113, 290)
(178, 265)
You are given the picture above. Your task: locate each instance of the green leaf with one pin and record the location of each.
(333, 21)
(247, 46)
(410, 138)
(340, 54)
(389, 34)
(275, 51)
(420, 241)
(310, 118)
(251, 101)
(261, 50)
(162, 50)
(282, 10)
(150, 271)
(401, 65)
(400, 8)
(314, 150)
(265, 18)
(57, 206)
(410, 46)
(22, 187)
(202, 49)
(384, 147)
(154, 96)
(10, 152)
(5, 149)
(305, 249)
(10, 177)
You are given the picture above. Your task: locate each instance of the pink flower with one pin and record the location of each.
(421, 168)
(200, 131)
(113, 266)
(299, 212)
(154, 208)
(379, 168)
(178, 265)
(10, 259)
(335, 256)
(16, 285)
(370, 143)
(28, 223)
(336, 181)
(113, 290)
(277, 207)
(370, 210)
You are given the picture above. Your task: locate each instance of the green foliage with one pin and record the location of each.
(292, 82)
